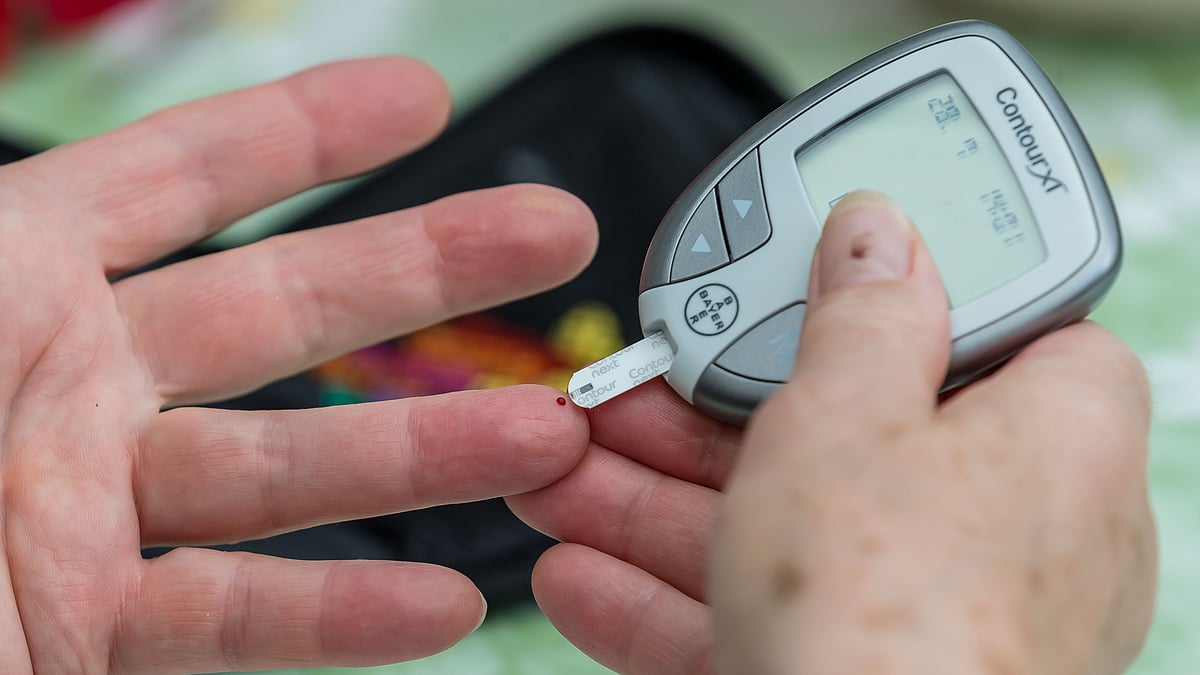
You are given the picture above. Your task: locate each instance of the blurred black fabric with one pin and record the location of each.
(624, 120)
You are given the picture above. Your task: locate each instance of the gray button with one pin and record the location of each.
(768, 351)
(702, 247)
(743, 207)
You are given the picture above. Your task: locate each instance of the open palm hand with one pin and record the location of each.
(92, 470)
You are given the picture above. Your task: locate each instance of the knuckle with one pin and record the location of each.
(833, 394)
(1132, 373)
(233, 635)
(273, 456)
(1119, 385)
(306, 324)
(880, 306)
(882, 324)
(1092, 374)
(859, 347)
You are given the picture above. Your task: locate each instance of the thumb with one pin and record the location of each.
(872, 356)
(876, 334)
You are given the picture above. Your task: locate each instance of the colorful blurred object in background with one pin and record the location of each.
(22, 20)
(63, 14)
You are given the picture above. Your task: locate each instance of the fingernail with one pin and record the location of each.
(482, 613)
(867, 238)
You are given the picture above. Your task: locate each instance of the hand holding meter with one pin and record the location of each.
(961, 127)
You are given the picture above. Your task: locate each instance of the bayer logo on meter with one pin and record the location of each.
(711, 309)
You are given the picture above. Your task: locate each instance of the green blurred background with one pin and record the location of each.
(1128, 69)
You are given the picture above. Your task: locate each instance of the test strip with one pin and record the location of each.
(614, 375)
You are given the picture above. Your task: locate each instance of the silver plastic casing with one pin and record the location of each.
(1077, 221)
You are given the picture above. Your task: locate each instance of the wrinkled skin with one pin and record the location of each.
(867, 527)
(91, 470)
(865, 519)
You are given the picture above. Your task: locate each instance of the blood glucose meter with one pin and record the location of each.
(963, 129)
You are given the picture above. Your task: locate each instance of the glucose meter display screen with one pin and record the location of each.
(927, 148)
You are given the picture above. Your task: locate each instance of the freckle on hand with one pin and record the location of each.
(1035, 579)
(998, 661)
(868, 545)
(787, 582)
(888, 618)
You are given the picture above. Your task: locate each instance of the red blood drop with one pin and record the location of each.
(562, 401)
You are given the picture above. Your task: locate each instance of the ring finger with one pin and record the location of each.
(209, 476)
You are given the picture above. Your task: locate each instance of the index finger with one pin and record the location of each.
(181, 174)
(213, 476)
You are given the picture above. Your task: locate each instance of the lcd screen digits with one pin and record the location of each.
(927, 148)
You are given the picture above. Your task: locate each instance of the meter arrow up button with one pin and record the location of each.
(743, 207)
(701, 248)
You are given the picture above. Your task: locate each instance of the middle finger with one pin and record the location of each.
(219, 325)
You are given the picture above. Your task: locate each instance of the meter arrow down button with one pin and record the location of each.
(767, 352)
(743, 207)
(702, 247)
